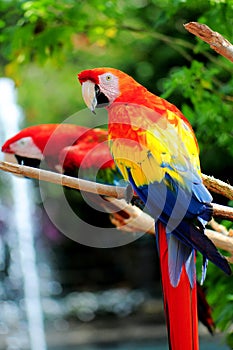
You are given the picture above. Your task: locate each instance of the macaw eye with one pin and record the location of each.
(21, 142)
(108, 77)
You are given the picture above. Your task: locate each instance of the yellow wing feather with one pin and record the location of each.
(151, 144)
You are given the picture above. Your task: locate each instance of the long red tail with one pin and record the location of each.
(180, 303)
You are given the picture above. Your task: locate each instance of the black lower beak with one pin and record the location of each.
(32, 162)
(102, 100)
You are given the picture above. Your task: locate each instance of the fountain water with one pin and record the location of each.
(22, 192)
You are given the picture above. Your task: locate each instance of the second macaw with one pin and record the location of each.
(72, 149)
(75, 151)
(155, 149)
(41, 142)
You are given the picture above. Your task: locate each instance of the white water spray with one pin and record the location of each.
(22, 192)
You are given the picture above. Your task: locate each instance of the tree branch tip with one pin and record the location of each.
(216, 41)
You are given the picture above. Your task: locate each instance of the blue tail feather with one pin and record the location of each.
(178, 256)
(190, 268)
(195, 237)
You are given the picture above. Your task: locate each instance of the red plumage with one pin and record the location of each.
(180, 300)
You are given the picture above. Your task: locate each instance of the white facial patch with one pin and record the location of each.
(26, 147)
(109, 86)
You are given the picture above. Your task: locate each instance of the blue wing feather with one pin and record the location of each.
(161, 207)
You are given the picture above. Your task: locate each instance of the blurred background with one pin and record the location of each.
(56, 293)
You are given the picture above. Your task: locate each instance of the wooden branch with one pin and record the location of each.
(139, 221)
(107, 190)
(221, 241)
(216, 41)
(218, 227)
(135, 219)
(222, 212)
(218, 186)
(63, 180)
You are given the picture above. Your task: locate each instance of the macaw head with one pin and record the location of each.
(44, 141)
(103, 86)
(23, 145)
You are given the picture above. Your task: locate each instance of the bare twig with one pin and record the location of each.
(218, 186)
(135, 219)
(216, 41)
(105, 190)
(221, 241)
(218, 227)
(222, 212)
(139, 221)
(63, 180)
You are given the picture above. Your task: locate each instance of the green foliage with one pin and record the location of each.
(220, 297)
(45, 43)
(208, 92)
(219, 293)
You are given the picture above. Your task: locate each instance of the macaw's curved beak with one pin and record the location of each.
(89, 95)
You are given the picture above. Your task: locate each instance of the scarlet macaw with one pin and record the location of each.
(31, 145)
(155, 149)
(72, 148)
(75, 151)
